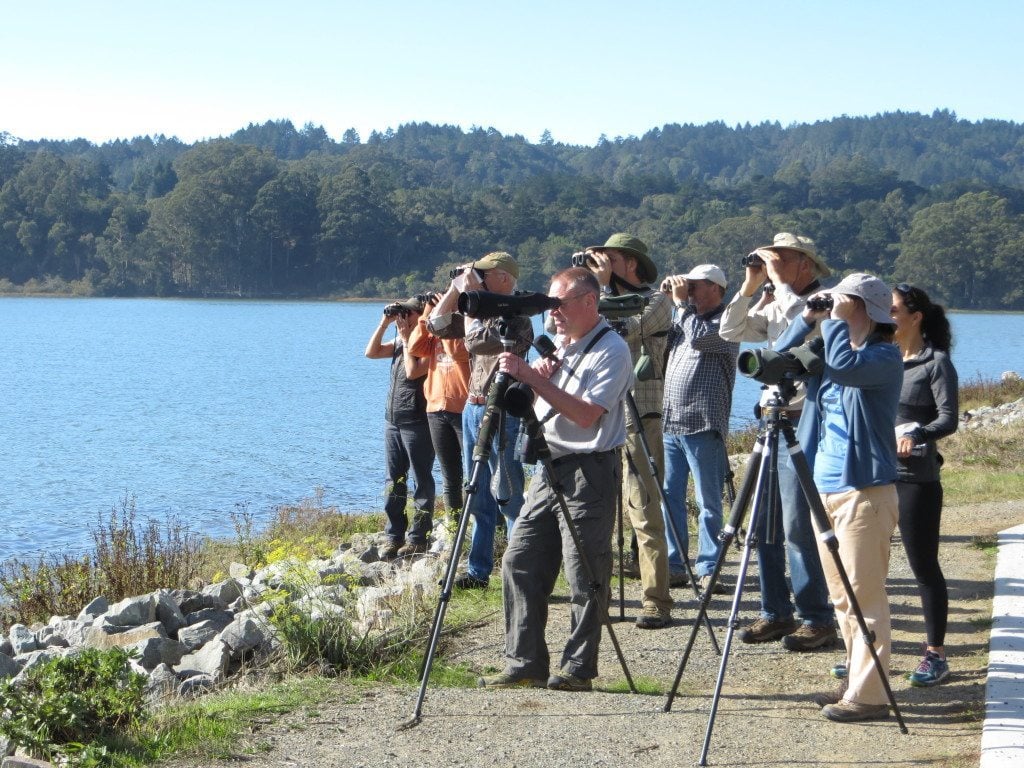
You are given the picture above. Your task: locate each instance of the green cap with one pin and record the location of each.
(498, 260)
(636, 248)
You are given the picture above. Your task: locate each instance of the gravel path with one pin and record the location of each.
(764, 715)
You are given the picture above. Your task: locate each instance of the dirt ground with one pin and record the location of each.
(764, 715)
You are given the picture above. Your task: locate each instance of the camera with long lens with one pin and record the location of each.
(752, 260)
(485, 304)
(770, 367)
(821, 303)
(583, 259)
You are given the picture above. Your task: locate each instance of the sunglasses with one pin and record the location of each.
(910, 294)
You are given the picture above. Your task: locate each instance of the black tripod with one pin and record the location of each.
(645, 447)
(762, 469)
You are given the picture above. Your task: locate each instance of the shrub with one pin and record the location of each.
(61, 707)
(133, 559)
(53, 585)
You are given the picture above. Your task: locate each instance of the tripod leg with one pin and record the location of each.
(754, 472)
(828, 537)
(621, 542)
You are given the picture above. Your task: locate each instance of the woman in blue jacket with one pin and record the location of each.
(847, 431)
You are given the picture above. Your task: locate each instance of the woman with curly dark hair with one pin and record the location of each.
(928, 410)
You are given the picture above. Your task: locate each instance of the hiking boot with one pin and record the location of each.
(389, 551)
(810, 636)
(652, 618)
(932, 670)
(564, 681)
(412, 548)
(508, 680)
(718, 589)
(839, 671)
(764, 631)
(851, 712)
(467, 581)
(825, 699)
(677, 579)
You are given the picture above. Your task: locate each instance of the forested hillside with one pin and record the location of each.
(278, 211)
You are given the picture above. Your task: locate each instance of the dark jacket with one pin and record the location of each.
(930, 397)
(406, 403)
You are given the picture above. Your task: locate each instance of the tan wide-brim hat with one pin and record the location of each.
(636, 248)
(802, 244)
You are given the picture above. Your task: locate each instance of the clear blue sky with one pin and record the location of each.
(203, 68)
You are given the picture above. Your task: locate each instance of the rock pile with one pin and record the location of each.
(189, 641)
(989, 417)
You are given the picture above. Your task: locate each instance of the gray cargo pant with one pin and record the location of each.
(540, 542)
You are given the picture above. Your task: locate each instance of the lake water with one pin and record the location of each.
(199, 408)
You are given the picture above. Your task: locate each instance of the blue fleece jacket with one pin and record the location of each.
(870, 378)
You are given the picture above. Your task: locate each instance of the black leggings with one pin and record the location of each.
(446, 435)
(920, 515)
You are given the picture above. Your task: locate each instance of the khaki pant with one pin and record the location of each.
(642, 503)
(863, 522)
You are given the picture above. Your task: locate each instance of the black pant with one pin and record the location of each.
(409, 447)
(920, 515)
(446, 434)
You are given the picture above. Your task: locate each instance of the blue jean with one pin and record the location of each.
(703, 454)
(810, 590)
(483, 506)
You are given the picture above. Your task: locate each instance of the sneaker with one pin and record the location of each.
(850, 712)
(411, 548)
(932, 670)
(565, 681)
(389, 551)
(467, 581)
(764, 631)
(810, 636)
(677, 579)
(718, 589)
(652, 618)
(839, 671)
(825, 699)
(508, 680)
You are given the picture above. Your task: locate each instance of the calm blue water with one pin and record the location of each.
(196, 407)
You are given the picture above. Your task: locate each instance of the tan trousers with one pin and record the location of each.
(863, 522)
(642, 503)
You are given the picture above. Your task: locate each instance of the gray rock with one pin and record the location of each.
(6, 647)
(168, 612)
(8, 666)
(162, 683)
(196, 685)
(220, 618)
(212, 659)
(197, 635)
(23, 761)
(155, 651)
(242, 635)
(375, 573)
(132, 611)
(226, 591)
(23, 640)
(33, 659)
(103, 637)
(96, 608)
(51, 636)
(191, 601)
(240, 572)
